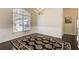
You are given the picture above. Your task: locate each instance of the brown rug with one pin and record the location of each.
(40, 42)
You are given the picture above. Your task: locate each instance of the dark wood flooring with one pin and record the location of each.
(72, 40)
(68, 38)
(6, 46)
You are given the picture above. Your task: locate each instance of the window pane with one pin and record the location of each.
(21, 20)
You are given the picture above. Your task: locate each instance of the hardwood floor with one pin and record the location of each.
(6, 46)
(72, 40)
(68, 38)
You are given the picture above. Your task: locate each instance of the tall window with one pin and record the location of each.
(21, 20)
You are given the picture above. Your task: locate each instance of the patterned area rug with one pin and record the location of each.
(40, 42)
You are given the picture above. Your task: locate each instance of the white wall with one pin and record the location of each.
(6, 28)
(7, 34)
(50, 22)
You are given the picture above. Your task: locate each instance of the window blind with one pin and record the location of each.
(21, 20)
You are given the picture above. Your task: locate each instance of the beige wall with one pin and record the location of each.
(34, 19)
(33, 16)
(50, 22)
(6, 28)
(70, 28)
(5, 18)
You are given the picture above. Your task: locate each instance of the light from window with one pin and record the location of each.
(21, 20)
